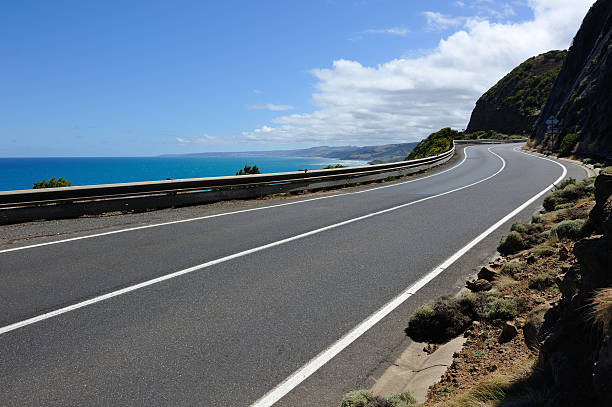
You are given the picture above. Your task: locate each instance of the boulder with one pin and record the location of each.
(478, 285)
(508, 332)
(487, 273)
(533, 326)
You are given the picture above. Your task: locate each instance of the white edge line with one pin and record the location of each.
(231, 213)
(322, 358)
(147, 283)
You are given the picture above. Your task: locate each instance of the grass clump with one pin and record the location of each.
(390, 178)
(541, 281)
(568, 193)
(490, 392)
(543, 251)
(536, 219)
(439, 321)
(510, 269)
(519, 227)
(498, 308)
(568, 229)
(365, 398)
(511, 243)
(601, 308)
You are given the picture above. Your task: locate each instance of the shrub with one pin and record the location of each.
(390, 178)
(510, 269)
(588, 161)
(543, 251)
(511, 243)
(52, 183)
(519, 227)
(541, 281)
(248, 170)
(438, 322)
(568, 144)
(535, 219)
(365, 398)
(498, 308)
(569, 181)
(404, 399)
(568, 229)
(330, 166)
(568, 194)
(356, 398)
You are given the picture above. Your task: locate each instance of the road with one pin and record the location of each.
(220, 310)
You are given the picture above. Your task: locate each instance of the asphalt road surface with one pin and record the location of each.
(235, 322)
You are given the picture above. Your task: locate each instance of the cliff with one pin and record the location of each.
(580, 97)
(513, 104)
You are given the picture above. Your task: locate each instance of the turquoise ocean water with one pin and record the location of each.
(21, 173)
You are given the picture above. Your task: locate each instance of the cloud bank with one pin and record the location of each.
(407, 98)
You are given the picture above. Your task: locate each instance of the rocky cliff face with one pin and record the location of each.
(513, 104)
(576, 358)
(581, 96)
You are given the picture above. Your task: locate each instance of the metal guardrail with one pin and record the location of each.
(65, 202)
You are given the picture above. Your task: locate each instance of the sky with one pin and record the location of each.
(140, 78)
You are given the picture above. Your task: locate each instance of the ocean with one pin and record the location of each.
(21, 173)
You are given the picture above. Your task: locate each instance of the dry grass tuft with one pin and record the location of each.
(601, 307)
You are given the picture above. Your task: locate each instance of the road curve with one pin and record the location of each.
(219, 310)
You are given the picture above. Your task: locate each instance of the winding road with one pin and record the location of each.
(292, 302)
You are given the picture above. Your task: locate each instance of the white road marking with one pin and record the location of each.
(322, 358)
(231, 213)
(147, 283)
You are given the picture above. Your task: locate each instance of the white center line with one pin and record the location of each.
(160, 279)
(231, 213)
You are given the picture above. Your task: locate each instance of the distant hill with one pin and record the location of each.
(581, 96)
(384, 153)
(512, 106)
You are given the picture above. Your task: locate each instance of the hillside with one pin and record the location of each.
(513, 104)
(580, 98)
(383, 153)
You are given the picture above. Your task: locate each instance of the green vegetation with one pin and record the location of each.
(441, 141)
(568, 144)
(568, 229)
(248, 170)
(510, 269)
(331, 166)
(52, 183)
(365, 398)
(526, 88)
(511, 243)
(390, 178)
(567, 192)
(519, 227)
(541, 281)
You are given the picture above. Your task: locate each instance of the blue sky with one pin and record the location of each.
(132, 78)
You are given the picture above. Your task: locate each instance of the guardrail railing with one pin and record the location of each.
(64, 202)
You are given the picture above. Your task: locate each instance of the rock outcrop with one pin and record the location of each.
(513, 104)
(580, 98)
(576, 358)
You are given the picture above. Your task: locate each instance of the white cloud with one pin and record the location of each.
(204, 139)
(407, 98)
(439, 21)
(257, 91)
(270, 106)
(401, 31)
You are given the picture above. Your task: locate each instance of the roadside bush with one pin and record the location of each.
(569, 181)
(437, 322)
(511, 243)
(519, 227)
(498, 308)
(330, 166)
(588, 161)
(510, 269)
(365, 398)
(541, 281)
(356, 398)
(52, 183)
(568, 194)
(535, 219)
(248, 170)
(568, 229)
(568, 144)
